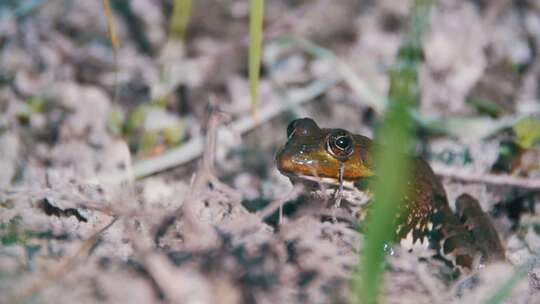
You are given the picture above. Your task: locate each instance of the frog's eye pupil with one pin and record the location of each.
(343, 142)
(340, 144)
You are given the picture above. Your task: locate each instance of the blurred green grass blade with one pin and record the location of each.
(110, 23)
(393, 164)
(180, 19)
(504, 291)
(393, 172)
(256, 11)
(115, 43)
(389, 189)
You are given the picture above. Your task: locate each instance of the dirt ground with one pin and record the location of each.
(140, 176)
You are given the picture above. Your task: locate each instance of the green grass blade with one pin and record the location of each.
(115, 43)
(256, 11)
(392, 141)
(389, 189)
(180, 19)
(110, 24)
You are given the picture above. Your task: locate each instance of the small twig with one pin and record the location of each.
(205, 172)
(486, 178)
(199, 234)
(280, 221)
(278, 203)
(338, 195)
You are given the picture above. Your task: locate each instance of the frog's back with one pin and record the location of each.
(458, 238)
(427, 219)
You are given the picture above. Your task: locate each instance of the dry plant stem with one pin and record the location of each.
(270, 208)
(64, 265)
(206, 170)
(280, 214)
(204, 175)
(338, 194)
(492, 179)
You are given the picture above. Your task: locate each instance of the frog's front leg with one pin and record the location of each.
(477, 222)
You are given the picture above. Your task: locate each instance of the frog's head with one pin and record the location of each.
(312, 152)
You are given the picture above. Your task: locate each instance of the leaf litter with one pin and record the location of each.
(190, 235)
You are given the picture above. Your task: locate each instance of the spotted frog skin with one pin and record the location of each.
(337, 156)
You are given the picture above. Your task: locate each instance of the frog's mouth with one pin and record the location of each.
(320, 182)
(308, 168)
(313, 161)
(308, 162)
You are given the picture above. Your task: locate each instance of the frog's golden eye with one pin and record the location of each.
(340, 144)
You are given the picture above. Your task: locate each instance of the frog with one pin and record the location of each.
(464, 238)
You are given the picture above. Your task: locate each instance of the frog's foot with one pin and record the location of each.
(477, 222)
(469, 212)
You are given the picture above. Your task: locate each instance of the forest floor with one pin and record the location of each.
(112, 189)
